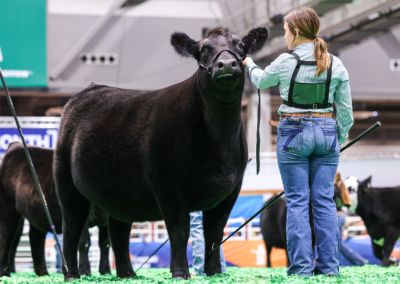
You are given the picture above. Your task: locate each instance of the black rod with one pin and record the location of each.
(28, 156)
(152, 254)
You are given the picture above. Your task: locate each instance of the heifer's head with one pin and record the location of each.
(220, 54)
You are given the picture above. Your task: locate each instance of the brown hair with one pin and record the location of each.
(344, 192)
(306, 21)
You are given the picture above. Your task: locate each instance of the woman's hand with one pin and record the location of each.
(246, 61)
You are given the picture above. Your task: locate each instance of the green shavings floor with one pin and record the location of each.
(365, 274)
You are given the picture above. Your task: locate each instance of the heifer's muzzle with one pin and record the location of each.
(226, 71)
(210, 67)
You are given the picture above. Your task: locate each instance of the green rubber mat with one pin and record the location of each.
(365, 274)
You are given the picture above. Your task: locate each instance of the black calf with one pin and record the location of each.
(379, 209)
(19, 199)
(273, 227)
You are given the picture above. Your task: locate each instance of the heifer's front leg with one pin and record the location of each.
(119, 234)
(9, 221)
(104, 244)
(14, 247)
(214, 221)
(392, 234)
(178, 226)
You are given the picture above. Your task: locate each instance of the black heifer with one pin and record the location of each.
(20, 199)
(379, 209)
(273, 227)
(158, 155)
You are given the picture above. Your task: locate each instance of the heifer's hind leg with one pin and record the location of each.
(9, 223)
(75, 209)
(37, 240)
(14, 247)
(83, 247)
(392, 234)
(104, 244)
(269, 250)
(119, 234)
(214, 221)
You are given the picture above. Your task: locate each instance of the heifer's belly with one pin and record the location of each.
(214, 190)
(118, 196)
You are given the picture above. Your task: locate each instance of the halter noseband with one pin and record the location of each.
(209, 67)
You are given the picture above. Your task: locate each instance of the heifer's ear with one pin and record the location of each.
(255, 40)
(365, 183)
(184, 45)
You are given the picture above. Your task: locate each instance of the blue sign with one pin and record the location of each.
(41, 137)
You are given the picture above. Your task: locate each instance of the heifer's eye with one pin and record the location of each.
(204, 49)
(240, 45)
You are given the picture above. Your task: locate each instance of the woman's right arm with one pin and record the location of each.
(344, 107)
(268, 77)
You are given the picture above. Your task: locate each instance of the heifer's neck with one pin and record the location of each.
(222, 119)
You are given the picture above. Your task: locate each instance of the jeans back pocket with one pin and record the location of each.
(291, 138)
(331, 139)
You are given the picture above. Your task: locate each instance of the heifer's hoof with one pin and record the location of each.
(71, 277)
(127, 275)
(104, 271)
(181, 275)
(182, 278)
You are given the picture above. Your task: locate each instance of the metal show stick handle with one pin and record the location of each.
(35, 177)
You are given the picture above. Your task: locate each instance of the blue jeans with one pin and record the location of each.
(197, 236)
(308, 155)
(353, 257)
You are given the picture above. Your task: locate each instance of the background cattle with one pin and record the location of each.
(273, 227)
(19, 199)
(158, 155)
(379, 209)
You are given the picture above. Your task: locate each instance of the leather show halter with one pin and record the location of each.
(209, 67)
(240, 59)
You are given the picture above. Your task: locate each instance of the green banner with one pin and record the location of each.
(23, 42)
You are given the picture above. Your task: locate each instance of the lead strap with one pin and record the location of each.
(258, 133)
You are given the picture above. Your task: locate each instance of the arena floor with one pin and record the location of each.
(366, 274)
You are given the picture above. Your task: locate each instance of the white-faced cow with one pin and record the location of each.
(158, 155)
(19, 199)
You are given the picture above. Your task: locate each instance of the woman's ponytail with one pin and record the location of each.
(321, 56)
(306, 21)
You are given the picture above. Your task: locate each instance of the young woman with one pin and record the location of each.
(308, 138)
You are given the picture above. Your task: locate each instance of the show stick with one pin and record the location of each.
(28, 156)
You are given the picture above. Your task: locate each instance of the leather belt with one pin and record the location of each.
(301, 114)
(308, 114)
